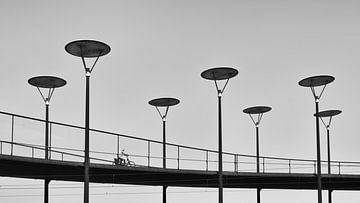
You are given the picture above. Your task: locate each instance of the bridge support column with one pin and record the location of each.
(46, 191)
(164, 194)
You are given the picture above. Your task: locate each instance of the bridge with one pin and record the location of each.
(186, 166)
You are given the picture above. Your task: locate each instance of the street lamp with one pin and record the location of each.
(216, 74)
(330, 114)
(87, 49)
(164, 102)
(312, 82)
(49, 83)
(259, 111)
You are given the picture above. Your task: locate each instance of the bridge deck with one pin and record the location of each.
(34, 168)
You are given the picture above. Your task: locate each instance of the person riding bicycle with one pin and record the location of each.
(123, 159)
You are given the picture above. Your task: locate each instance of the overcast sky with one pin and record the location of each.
(159, 48)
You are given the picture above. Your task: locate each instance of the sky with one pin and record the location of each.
(159, 49)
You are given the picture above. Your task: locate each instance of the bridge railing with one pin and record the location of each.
(35, 151)
(24, 136)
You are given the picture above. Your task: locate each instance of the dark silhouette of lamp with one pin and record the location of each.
(216, 74)
(87, 49)
(259, 111)
(166, 103)
(328, 114)
(312, 82)
(49, 83)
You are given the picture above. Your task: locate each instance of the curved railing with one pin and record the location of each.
(25, 138)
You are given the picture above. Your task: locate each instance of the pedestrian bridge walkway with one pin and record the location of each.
(22, 155)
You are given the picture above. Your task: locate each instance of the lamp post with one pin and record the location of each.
(164, 102)
(87, 49)
(321, 115)
(312, 82)
(216, 74)
(49, 83)
(259, 111)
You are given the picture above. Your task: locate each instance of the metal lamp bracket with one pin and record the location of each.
(89, 70)
(317, 97)
(221, 91)
(47, 97)
(257, 122)
(327, 126)
(163, 116)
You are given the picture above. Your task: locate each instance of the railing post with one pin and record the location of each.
(178, 157)
(117, 146)
(207, 160)
(12, 134)
(339, 168)
(148, 153)
(235, 163)
(32, 152)
(315, 167)
(1, 147)
(263, 164)
(50, 132)
(289, 165)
